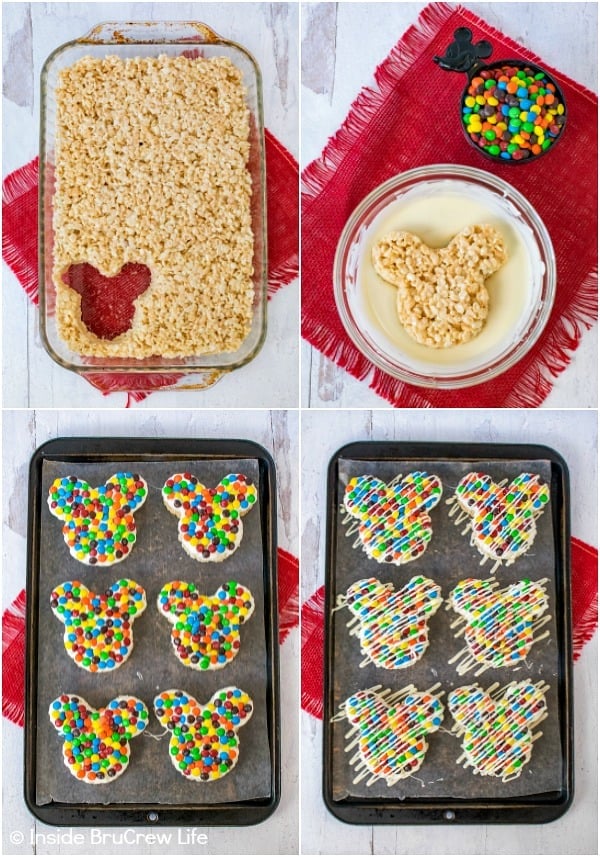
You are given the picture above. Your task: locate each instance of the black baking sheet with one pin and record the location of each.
(449, 558)
(157, 557)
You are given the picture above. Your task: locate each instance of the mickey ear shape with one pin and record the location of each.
(361, 703)
(75, 704)
(61, 495)
(174, 600)
(136, 603)
(63, 603)
(399, 256)
(470, 704)
(358, 490)
(128, 712)
(233, 591)
(471, 596)
(532, 594)
(428, 489)
(235, 487)
(472, 489)
(479, 249)
(529, 699)
(163, 703)
(362, 593)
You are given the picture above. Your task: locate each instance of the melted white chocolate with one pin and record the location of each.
(436, 217)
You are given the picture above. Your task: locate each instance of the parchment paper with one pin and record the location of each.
(156, 558)
(449, 558)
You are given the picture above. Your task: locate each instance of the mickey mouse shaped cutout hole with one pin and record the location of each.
(511, 111)
(108, 303)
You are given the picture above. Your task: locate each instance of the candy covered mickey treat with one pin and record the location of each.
(98, 627)
(210, 519)
(498, 624)
(391, 731)
(96, 741)
(206, 628)
(501, 517)
(99, 526)
(442, 297)
(497, 725)
(392, 520)
(392, 626)
(204, 744)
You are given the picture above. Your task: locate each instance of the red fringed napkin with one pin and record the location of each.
(20, 236)
(13, 635)
(411, 118)
(584, 612)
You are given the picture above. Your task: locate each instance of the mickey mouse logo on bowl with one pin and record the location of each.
(512, 111)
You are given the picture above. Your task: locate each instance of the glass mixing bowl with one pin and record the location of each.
(521, 297)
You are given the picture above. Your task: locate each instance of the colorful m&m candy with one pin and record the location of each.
(204, 744)
(206, 628)
(512, 112)
(99, 526)
(501, 518)
(96, 741)
(98, 627)
(497, 725)
(210, 519)
(391, 730)
(392, 520)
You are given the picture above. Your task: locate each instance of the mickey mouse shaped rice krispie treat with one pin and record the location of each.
(392, 626)
(442, 296)
(99, 526)
(210, 524)
(392, 521)
(96, 741)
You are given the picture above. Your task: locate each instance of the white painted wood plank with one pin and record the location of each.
(363, 35)
(277, 431)
(574, 435)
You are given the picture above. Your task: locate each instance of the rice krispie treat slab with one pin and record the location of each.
(152, 170)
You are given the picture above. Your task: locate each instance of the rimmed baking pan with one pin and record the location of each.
(152, 790)
(444, 789)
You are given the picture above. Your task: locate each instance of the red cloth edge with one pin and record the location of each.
(13, 635)
(532, 388)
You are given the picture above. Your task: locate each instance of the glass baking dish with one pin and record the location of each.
(151, 39)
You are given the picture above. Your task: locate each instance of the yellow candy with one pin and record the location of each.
(493, 101)
(470, 101)
(560, 109)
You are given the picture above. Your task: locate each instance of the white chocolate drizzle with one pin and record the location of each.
(499, 625)
(388, 731)
(392, 626)
(501, 517)
(391, 520)
(496, 726)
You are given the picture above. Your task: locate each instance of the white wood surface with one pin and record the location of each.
(574, 435)
(23, 432)
(30, 32)
(341, 45)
